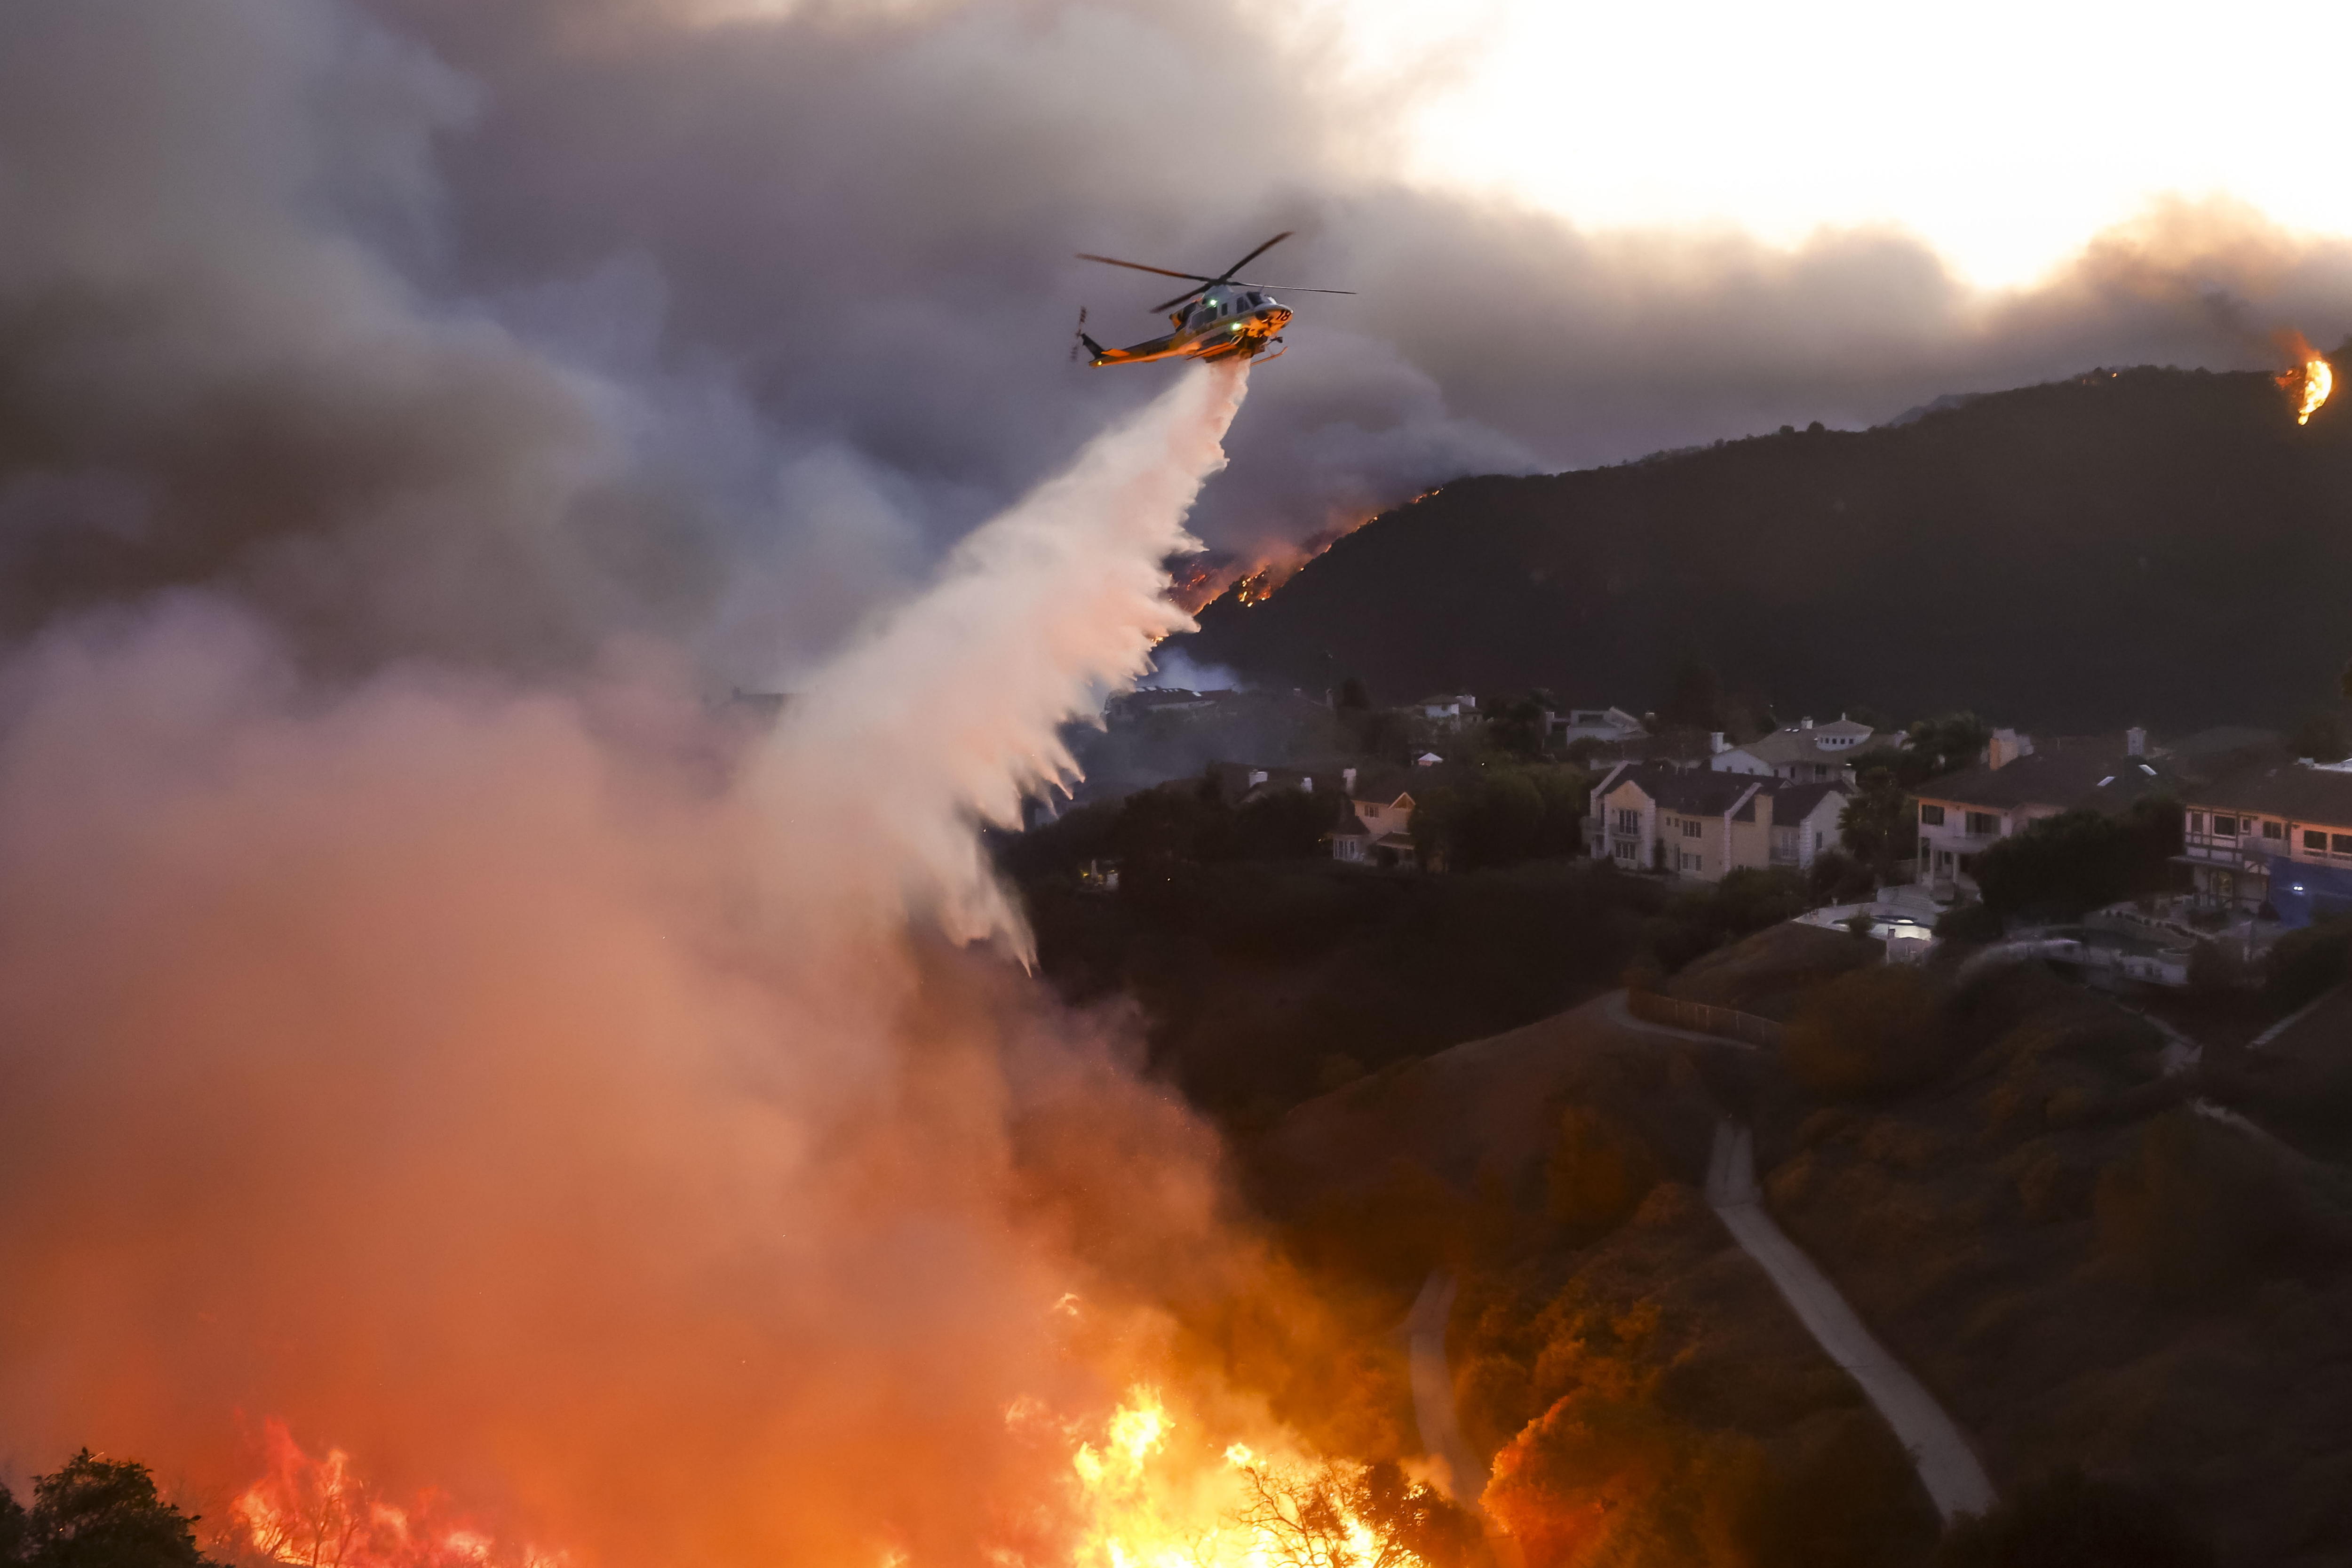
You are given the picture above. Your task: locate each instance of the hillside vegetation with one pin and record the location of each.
(2161, 546)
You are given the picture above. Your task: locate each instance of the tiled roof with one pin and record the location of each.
(1792, 803)
(1782, 747)
(1692, 792)
(2288, 790)
(2075, 775)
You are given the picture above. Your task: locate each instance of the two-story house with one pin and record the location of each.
(1376, 823)
(2273, 832)
(1804, 752)
(1962, 815)
(1694, 823)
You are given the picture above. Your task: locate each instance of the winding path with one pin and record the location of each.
(1947, 1466)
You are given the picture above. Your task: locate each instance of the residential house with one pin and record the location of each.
(1132, 707)
(1375, 823)
(1963, 815)
(1805, 752)
(1605, 724)
(1696, 822)
(2275, 832)
(1805, 821)
(1238, 783)
(1448, 712)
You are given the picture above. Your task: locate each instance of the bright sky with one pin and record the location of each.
(2006, 133)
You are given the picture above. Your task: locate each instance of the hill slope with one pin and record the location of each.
(2152, 545)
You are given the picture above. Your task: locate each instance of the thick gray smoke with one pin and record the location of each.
(496, 330)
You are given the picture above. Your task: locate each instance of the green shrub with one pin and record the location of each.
(1599, 1173)
(1970, 923)
(1871, 1031)
(2195, 1206)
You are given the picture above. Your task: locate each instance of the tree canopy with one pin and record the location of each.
(95, 1512)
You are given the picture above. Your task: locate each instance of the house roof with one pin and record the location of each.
(1782, 747)
(2209, 754)
(1793, 803)
(2280, 789)
(1692, 792)
(1384, 783)
(2102, 777)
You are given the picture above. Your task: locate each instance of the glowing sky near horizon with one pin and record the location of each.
(2004, 133)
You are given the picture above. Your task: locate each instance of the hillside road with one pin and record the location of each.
(1947, 1466)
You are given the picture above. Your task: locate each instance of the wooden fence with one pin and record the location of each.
(1723, 1022)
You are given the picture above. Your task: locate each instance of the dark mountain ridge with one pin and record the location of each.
(2157, 546)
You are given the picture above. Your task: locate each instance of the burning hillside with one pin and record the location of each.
(1200, 580)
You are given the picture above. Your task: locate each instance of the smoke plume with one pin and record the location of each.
(547, 1096)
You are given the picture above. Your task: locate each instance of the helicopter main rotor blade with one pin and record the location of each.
(1292, 289)
(1140, 266)
(1172, 304)
(1253, 255)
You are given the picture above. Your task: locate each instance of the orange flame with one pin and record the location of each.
(319, 1514)
(2312, 379)
(1139, 1501)
(1256, 582)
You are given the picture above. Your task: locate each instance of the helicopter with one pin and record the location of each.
(1217, 319)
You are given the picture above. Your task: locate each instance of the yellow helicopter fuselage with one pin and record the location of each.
(1227, 324)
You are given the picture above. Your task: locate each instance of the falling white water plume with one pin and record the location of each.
(949, 711)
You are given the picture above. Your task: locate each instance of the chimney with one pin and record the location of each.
(1347, 780)
(2134, 742)
(1716, 745)
(1804, 723)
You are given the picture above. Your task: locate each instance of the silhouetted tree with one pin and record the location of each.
(1500, 818)
(1937, 746)
(1837, 878)
(1878, 826)
(1307, 1518)
(1694, 696)
(1352, 695)
(1518, 729)
(2080, 860)
(96, 1513)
